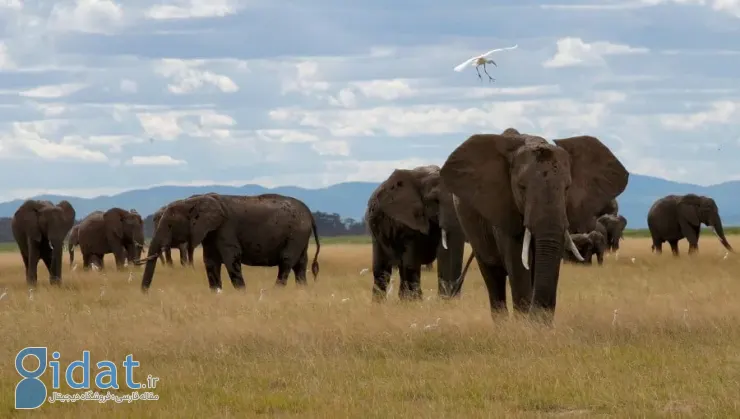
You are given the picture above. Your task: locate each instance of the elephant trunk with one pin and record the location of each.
(548, 251)
(720, 233)
(151, 263)
(449, 263)
(57, 247)
(71, 254)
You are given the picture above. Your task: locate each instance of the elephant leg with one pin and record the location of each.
(694, 246)
(494, 276)
(85, 262)
(168, 256)
(45, 254)
(382, 270)
(33, 261)
(299, 269)
(183, 255)
(190, 250)
(234, 269)
(212, 261)
(657, 246)
(674, 247)
(283, 273)
(410, 286)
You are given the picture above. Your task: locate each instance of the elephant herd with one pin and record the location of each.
(522, 203)
(262, 230)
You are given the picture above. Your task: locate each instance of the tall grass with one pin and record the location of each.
(326, 351)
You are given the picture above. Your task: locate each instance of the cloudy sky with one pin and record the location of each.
(100, 96)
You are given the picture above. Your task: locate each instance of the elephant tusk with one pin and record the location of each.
(572, 247)
(146, 259)
(444, 239)
(525, 248)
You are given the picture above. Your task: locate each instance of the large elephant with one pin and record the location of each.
(186, 250)
(116, 231)
(516, 196)
(39, 228)
(261, 230)
(588, 245)
(412, 222)
(675, 217)
(614, 226)
(72, 241)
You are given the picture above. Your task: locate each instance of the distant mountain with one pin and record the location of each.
(349, 199)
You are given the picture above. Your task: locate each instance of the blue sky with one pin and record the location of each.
(99, 96)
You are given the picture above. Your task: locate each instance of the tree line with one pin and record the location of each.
(328, 225)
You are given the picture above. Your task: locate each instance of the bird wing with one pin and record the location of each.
(465, 64)
(499, 49)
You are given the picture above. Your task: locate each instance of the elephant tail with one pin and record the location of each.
(315, 263)
(457, 287)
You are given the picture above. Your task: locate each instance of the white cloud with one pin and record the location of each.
(6, 62)
(384, 89)
(306, 80)
(553, 115)
(15, 5)
(187, 77)
(30, 136)
(188, 9)
(93, 16)
(331, 148)
(169, 125)
(285, 136)
(155, 161)
(720, 112)
(53, 91)
(128, 86)
(575, 52)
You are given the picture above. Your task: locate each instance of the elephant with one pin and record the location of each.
(186, 251)
(675, 217)
(613, 226)
(72, 241)
(515, 196)
(116, 231)
(593, 243)
(259, 230)
(412, 222)
(39, 227)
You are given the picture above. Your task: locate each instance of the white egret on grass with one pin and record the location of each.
(480, 60)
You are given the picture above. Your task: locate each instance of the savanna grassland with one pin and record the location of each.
(326, 351)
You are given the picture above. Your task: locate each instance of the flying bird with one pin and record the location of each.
(480, 60)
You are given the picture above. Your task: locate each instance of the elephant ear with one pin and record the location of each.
(400, 197)
(597, 177)
(206, 214)
(597, 240)
(114, 222)
(478, 172)
(688, 209)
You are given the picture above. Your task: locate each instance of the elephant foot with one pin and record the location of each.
(57, 282)
(378, 295)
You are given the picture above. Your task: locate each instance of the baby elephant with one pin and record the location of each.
(588, 245)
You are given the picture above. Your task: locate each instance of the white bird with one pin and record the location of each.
(5, 292)
(480, 60)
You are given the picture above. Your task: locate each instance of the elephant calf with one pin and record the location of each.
(593, 243)
(116, 231)
(612, 226)
(412, 221)
(185, 248)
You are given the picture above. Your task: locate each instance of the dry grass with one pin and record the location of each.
(304, 353)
